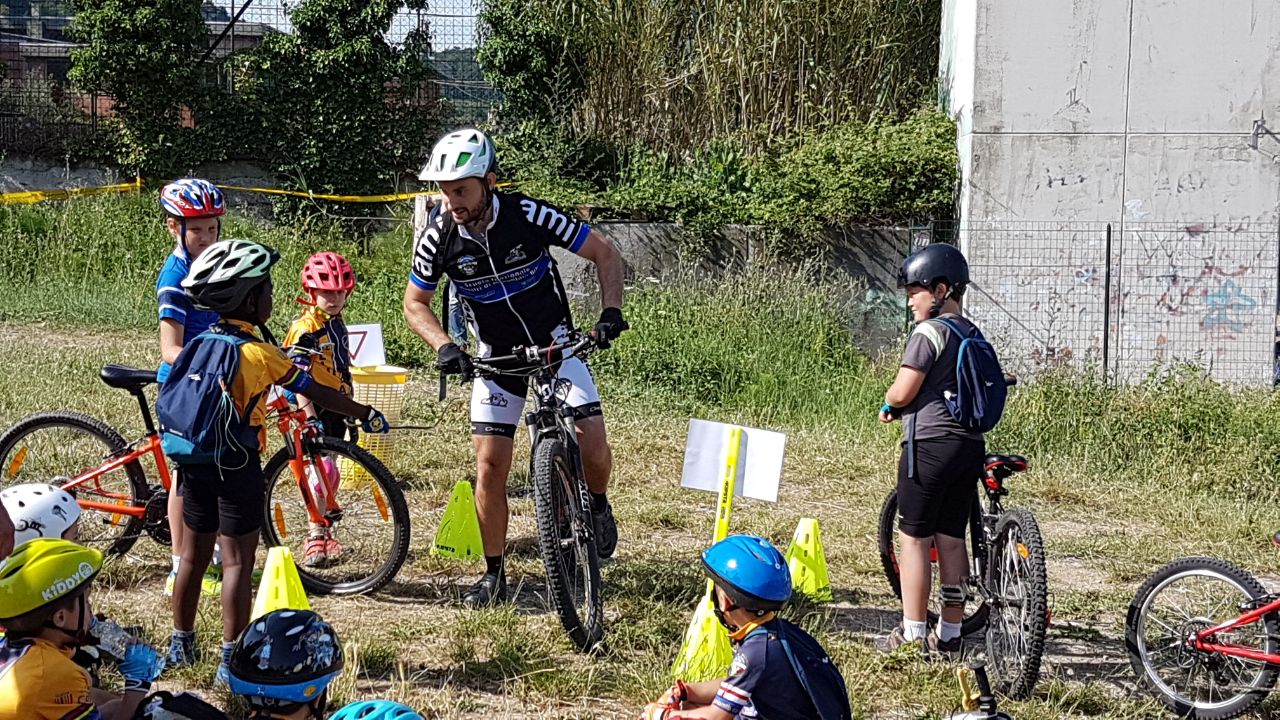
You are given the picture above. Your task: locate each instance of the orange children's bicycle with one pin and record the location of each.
(1204, 636)
(366, 513)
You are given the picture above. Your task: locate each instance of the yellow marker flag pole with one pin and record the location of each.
(706, 653)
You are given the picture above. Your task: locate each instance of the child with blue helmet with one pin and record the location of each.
(779, 671)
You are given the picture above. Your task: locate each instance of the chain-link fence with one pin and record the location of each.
(1127, 299)
(41, 114)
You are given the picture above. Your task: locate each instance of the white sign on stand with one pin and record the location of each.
(366, 345)
(759, 463)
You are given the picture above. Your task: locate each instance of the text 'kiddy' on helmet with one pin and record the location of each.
(376, 710)
(751, 572)
(328, 271)
(192, 198)
(463, 154)
(43, 570)
(284, 658)
(221, 278)
(933, 264)
(39, 510)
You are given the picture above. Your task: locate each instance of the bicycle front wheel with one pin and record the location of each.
(975, 610)
(366, 541)
(1183, 598)
(1019, 586)
(567, 544)
(61, 447)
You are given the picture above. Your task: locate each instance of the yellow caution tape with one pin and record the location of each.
(29, 197)
(338, 198)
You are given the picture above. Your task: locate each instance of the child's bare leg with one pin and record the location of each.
(196, 554)
(916, 576)
(237, 582)
(953, 563)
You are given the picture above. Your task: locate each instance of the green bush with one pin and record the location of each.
(879, 172)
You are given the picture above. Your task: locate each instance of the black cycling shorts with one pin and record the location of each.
(218, 500)
(938, 500)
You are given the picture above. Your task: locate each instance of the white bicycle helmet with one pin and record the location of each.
(39, 511)
(463, 154)
(226, 271)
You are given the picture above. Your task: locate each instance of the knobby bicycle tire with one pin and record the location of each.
(1016, 673)
(888, 532)
(392, 505)
(124, 529)
(1177, 699)
(557, 491)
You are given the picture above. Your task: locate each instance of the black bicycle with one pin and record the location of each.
(1008, 586)
(563, 507)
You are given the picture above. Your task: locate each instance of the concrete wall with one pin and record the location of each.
(1136, 113)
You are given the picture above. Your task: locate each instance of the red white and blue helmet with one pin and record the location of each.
(190, 198)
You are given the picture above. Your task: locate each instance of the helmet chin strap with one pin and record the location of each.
(78, 637)
(935, 308)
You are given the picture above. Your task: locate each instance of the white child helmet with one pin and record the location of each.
(39, 511)
(463, 154)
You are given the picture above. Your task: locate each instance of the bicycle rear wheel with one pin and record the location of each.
(1019, 585)
(975, 610)
(567, 545)
(372, 534)
(58, 447)
(1182, 598)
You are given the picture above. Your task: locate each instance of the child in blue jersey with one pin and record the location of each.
(779, 671)
(193, 212)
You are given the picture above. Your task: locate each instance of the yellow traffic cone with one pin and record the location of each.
(459, 532)
(280, 587)
(706, 652)
(808, 562)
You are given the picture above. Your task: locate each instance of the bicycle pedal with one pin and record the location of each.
(333, 516)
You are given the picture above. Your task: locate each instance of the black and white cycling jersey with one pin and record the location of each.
(505, 277)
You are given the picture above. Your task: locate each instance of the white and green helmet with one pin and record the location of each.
(463, 154)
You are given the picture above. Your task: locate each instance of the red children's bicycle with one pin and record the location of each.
(366, 513)
(1204, 635)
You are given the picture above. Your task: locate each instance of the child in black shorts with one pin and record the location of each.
(941, 460)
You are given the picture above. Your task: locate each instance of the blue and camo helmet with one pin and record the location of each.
(376, 710)
(751, 572)
(284, 659)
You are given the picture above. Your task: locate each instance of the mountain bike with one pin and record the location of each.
(563, 507)
(1204, 635)
(92, 461)
(1007, 590)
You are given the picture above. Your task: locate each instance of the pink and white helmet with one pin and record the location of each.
(192, 198)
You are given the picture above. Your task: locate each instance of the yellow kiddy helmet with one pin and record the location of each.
(43, 570)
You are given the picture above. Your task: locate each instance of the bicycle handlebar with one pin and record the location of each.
(530, 358)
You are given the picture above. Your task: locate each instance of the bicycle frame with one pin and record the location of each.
(296, 428)
(148, 444)
(1203, 640)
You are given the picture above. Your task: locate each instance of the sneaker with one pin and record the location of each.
(950, 650)
(606, 531)
(316, 552)
(333, 549)
(222, 676)
(182, 651)
(169, 582)
(896, 639)
(491, 589)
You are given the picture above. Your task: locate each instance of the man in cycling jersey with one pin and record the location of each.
(495, 248)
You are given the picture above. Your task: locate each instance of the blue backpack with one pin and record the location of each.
(981, 390)
(199, 424)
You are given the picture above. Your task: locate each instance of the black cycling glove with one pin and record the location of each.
(609, 326)
(455, 360)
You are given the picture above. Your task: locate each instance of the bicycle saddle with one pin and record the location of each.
(1002, 466)
(127, 378)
